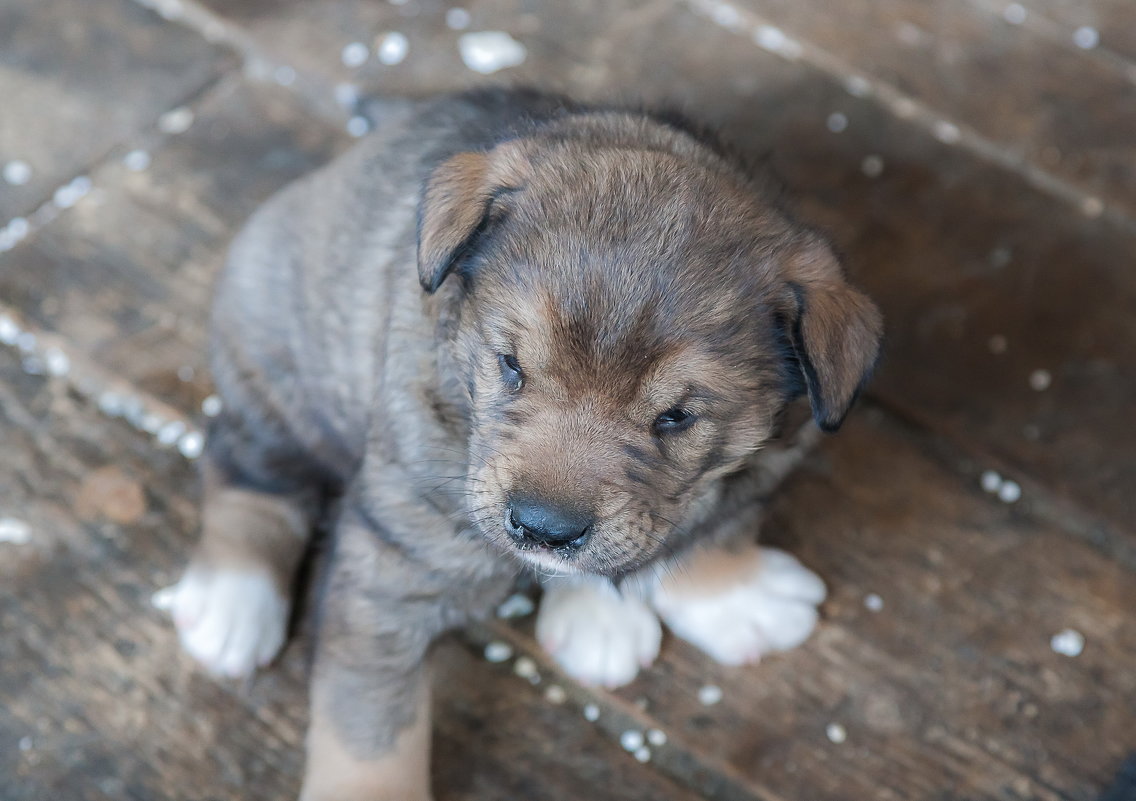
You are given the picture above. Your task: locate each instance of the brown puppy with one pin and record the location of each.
(606, 318)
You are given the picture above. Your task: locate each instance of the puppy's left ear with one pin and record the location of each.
(458, 205)
(835, 331)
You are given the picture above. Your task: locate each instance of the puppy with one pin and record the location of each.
(508, 331)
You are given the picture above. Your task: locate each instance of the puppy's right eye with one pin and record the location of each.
(510, 371)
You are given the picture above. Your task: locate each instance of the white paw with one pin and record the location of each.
(231, 621)
(596, 634)
(739, 607)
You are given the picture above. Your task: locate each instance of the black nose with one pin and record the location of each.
(546, 524)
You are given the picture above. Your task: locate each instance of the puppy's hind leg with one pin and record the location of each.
(232, 605)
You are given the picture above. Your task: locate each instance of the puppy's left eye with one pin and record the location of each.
(673, 420)
(511, 371)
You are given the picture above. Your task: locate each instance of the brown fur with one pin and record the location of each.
(629, 267)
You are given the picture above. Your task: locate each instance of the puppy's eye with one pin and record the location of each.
(673, 420)
(510, 371)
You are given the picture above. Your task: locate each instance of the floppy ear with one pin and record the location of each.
(835, 331)
(457, 205)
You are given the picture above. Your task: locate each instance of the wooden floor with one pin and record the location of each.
(976, 163)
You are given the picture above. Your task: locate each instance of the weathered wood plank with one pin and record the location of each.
(127, 273)
(96, 700)
(951, 690)
(81, 76)
(1009, 83)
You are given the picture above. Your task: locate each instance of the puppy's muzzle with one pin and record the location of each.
(533, 522)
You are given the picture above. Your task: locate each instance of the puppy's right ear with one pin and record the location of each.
(458, 205)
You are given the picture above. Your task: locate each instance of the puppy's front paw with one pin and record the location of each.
(231, 621)
(737, 607)
(596, 634)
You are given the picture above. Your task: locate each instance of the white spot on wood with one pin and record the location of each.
(171, 432)
(490, 51)
(26, 743)
(515, 606)
(858, 86)
(555, 694)
(873, 602)
(836, 733)
(526, 669)
(71, 193)
(1015, 13)
(643, 754)
(346, 94)
(391, 48)
(284, 75)
(176, 121)
(990, 481)
(211, 406)
(354, 55)
(726, 15)
(136, 160)
(1040, 380)
(1086, 37)
(56, 362)
(947, 132)
(1009, 492)
(657, 737)
(1092, 207)
(872, 166)
(191, 444)
(358, 126)
(836, 122)
(631, 739)
(163, 599)
(1069, 642)
(591, 713)
(9, 331)
(709, 695)
(17, 172)
(14, 531)
(457, 19)
(498, 652)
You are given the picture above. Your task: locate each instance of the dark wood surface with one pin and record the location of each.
(950, 691)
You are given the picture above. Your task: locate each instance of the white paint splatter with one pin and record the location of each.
(709, 695)
(1068, 642)
(498, 652)
(391, 48)
(657, 737)
(487, 52)
(526, 669)
(458, 19)
(17, 172)
(873, 602)
(631, 740)
(591, 713)
(354, 55)
(191, 444)
(56, 362)
(1040, 380)
(1092, 207)
(358, 126)
(643, 754)
(1086, 37)
(836, 122)
(176, 121)
(71, 193)
(872, 166)
(163, 599)
(136, 160)
(858, 86)
(1015, 13)
(211, 406)
(515, 606)
(555, 694)
(990, 481)
(836, 733)
(947, 132)
(1009, 492)
(14, 531)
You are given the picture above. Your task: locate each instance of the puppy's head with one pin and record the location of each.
(631, 318)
